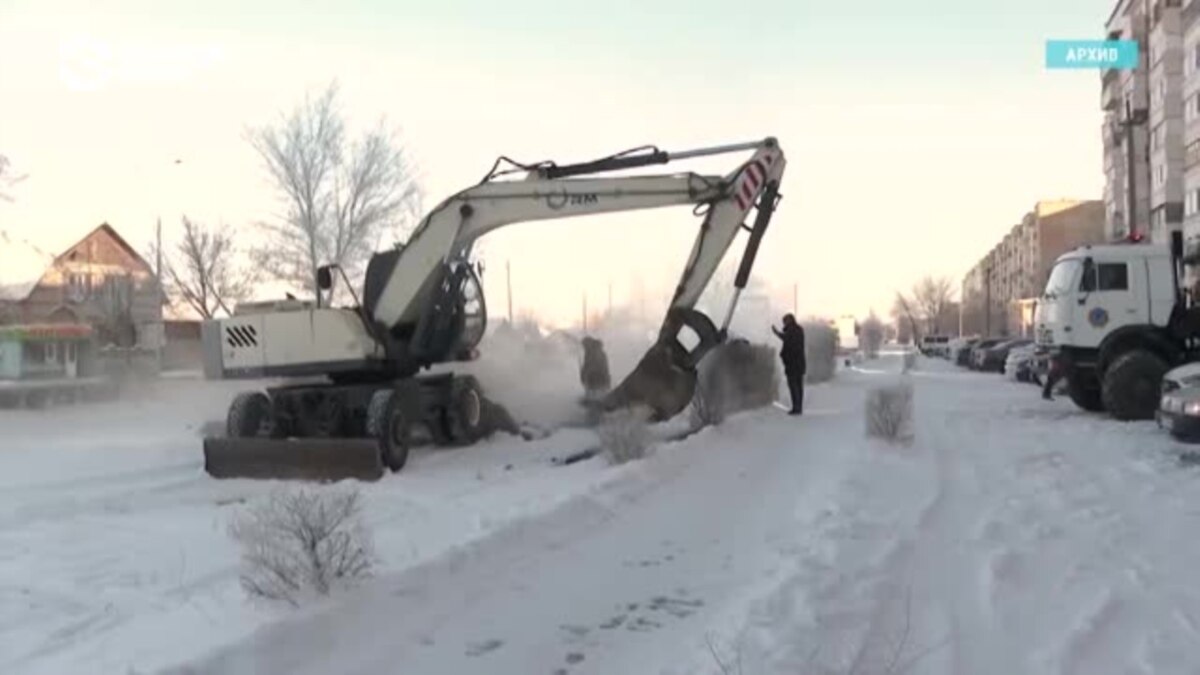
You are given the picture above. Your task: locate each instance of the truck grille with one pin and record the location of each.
(241, 336)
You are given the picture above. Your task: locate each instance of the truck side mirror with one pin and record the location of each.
(324, 278)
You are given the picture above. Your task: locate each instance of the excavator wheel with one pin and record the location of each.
(249, 416)
(465, 411)
(390, 418)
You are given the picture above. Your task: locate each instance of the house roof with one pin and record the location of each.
(21, 266)
(120, 241)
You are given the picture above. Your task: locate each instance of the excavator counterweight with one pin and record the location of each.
(356, 400)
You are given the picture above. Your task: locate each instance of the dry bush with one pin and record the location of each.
(300, 542)
(870, 336)
(889, 412)
(820, 352)
(625, 434)
(737, 376)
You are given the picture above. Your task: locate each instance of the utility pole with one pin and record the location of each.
(508, 283)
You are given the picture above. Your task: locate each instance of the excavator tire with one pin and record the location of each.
(390, 418)
(465, 410)
(249, 416)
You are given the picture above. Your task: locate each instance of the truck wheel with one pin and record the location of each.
(249, 416)
(1084, 389)
(465, 411)
(1132, 385)
(389, 421)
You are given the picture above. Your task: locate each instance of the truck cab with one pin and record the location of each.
(1105, 318)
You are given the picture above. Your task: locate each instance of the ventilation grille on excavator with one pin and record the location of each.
(241, 336)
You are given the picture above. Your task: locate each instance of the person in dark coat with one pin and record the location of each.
(794, 362)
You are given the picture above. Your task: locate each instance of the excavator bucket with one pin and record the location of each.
(311, 459)
(658, 382)
(664, 380)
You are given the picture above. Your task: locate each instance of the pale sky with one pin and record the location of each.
(916, 132)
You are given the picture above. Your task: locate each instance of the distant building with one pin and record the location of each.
(1016, 269)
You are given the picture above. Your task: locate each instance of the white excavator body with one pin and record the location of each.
(421, 304)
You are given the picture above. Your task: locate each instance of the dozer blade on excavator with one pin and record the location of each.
(311, 459)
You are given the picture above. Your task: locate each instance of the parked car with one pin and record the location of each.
(1019, 365)
(962, 354)
(975, 357)
(935, 345)
(995, 358)
(1179, 403)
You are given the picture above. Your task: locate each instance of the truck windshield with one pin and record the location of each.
(1061, 278)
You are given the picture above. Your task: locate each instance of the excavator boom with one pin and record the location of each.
(412, 314)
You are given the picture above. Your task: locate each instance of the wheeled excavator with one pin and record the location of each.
(354, 392)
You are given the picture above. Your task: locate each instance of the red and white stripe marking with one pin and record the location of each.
(751, 181)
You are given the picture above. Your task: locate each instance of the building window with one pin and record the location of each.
(79, 287)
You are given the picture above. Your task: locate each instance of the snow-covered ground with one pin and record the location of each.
(1013, 536)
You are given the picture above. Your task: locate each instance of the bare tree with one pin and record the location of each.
(870, 336)
(113, 301)
(342, 199)
(902, 311)
(204, 270)
(930, 302)
(8, 178)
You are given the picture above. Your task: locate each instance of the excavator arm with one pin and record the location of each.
(551, 192)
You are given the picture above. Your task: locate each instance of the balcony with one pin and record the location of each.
(1191, 156)
(1110, 80)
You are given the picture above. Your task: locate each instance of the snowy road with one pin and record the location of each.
(1013, 536)
(995, 544)
(600, 586)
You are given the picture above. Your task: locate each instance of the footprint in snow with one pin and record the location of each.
(481, 648)
(577, 631)
(614, 622)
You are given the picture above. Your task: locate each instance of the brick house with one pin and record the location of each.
(100, 281)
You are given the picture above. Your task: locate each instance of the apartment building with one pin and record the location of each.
(1125, 100)
(1190, 25)
(996, 290)
(1144, 122)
